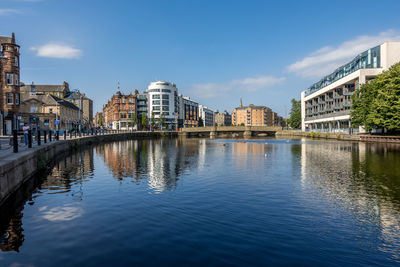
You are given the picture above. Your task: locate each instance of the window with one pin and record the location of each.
(165, 108)
(50, 110)
(123, 115)
(165, 102)
(156, 102)
(131, 108)
(16, 99)
(154, 90)
(131, 100)
(165, 97)
(9, 99)
(156, 96)
(156, 108)
(123, 107)
(166, 90)
(123, 100)
(16, 79)
(33, 109)
(9, 78)
(16, 61)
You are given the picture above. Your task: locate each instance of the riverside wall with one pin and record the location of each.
(19, 167)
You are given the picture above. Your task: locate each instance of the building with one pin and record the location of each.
(252, 116)
(98, 120)
(326, 105)
(86, 105)
(207, 115)
(141, 108)
(223, 119)
(9, 84)
(48, 112)
(162, 100)
(120, 111)
(188, 112)
(57, 90)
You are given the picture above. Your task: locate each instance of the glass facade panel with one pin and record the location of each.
(362, 61)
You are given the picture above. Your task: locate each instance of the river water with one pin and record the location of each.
(210, 202)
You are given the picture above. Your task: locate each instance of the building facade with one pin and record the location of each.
(47, 112)
(161, 100)
(207, 115)
(98, 120)
(9, 84)
(188, 112)
(252, 116)
(326, 105)
(141, 109)
(86, 105)
(57, 90)
(119, 112)
(223, 119)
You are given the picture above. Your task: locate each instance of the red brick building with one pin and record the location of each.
(9, 84)
(118, 113)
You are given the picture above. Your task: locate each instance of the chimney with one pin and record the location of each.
(13, 38)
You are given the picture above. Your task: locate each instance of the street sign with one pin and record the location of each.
(57, 122)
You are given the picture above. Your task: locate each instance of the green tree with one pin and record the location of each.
(144, 120)
(100, 122)
(295, 114)
(153, 120)
(162, 120)
(377, 103)
(134, 120)
(201, 123)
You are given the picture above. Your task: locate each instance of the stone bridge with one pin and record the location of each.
(234, 131)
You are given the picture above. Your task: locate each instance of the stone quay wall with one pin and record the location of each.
(19, 167)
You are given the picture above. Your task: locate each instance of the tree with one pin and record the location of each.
(153, 120)
(100, 121)
(295, 114)
(134, 121)
(377, 103)
(144, 120)
(201, 123)
(162, 120)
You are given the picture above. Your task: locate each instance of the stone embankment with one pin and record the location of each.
(18, 167)
(341, 136)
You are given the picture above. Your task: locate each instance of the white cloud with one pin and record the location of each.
(327, 59)
(210, 90)
(57, 51)
(8, 11)
(61, 214)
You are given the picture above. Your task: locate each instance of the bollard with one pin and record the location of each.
(50, 136)
(29, 138)
(57, 135)
(65, 135)
(45, 136)
(92, 132)
(39, 138)
(15, 141)
(70, 135)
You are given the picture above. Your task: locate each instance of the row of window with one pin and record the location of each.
(10, 99)
(158, 90)
(12, 79)
(158, 96)
(164, 108)
(164, 102)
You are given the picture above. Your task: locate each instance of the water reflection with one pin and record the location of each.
(71, 170)
(362, 178)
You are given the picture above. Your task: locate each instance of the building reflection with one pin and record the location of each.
(363, 178)
(71, 170)
(159, 163)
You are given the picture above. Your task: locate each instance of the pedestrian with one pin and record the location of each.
(26, 128)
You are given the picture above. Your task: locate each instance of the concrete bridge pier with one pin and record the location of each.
(213, 132)
(247, 132)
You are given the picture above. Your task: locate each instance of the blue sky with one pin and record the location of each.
(266, 52)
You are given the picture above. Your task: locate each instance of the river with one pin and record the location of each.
(209, 202)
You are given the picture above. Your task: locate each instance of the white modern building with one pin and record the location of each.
(207, 115)
(163, 99)
(325, 106)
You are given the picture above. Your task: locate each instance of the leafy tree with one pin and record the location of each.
(134, 120)
(153, 120)
(295, 114)
(377, 103)
(201, 123)
(100, 122)
(144, 120)
(162, 120)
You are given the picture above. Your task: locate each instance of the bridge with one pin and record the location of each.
(233, 131)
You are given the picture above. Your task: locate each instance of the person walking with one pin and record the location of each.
(26, 128)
